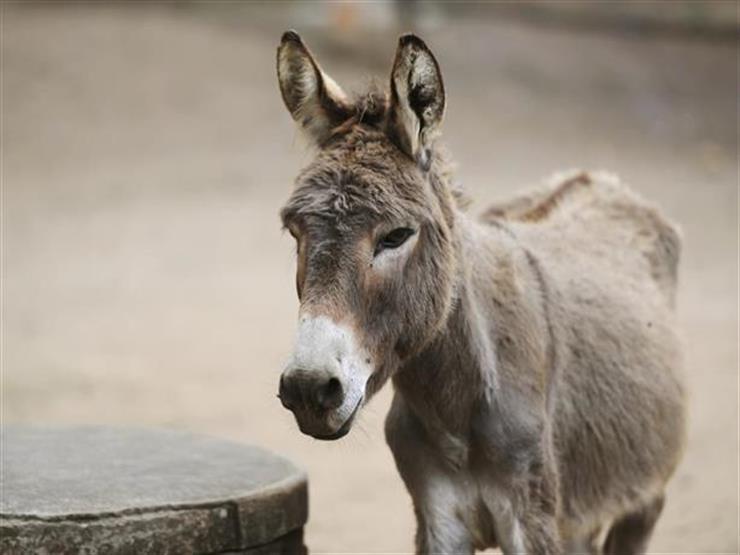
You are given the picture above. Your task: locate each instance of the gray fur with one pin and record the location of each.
(538, 399)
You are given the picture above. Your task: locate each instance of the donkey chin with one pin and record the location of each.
(324, 382)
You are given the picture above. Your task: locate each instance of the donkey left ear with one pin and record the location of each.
(417, 98)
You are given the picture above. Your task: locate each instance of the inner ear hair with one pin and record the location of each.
(417, 99)
(313, 99)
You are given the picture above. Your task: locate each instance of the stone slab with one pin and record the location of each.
(290, 544)
(107, 490)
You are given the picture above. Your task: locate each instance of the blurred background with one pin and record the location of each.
(146, 153)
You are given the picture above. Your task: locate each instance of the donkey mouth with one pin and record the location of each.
(343, 429)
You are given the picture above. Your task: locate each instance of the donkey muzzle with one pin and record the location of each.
(324, 383)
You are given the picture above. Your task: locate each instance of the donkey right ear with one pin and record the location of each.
(314, 100)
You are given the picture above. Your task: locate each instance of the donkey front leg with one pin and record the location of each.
(518, 475)
(524, 515)
(440, 529)
(436, 492)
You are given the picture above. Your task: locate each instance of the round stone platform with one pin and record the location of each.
(126, 491)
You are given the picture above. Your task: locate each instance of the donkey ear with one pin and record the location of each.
(417, 98)
(312, 97)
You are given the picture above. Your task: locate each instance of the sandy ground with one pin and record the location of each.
(146, 279)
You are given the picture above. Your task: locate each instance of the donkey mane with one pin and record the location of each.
(369, 108)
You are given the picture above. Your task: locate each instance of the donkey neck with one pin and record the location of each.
(443, 382)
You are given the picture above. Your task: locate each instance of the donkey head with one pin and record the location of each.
(372, 216)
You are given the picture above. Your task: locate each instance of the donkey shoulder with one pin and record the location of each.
(597, 213)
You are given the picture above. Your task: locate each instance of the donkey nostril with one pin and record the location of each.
(284, 395)
(331, 394)
(334, 386)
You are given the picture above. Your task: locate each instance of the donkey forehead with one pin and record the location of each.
(359, 190)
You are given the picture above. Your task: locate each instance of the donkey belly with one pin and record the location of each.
(610, 261)
(619, 414)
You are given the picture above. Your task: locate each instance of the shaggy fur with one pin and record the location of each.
(538, 404)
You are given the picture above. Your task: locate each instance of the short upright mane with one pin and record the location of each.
(369, 111)
(369, 108)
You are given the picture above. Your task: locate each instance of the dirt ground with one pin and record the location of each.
(146, 278)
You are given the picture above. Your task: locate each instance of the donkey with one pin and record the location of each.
(538, 401)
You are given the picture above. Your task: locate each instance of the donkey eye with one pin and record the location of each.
(394, 239)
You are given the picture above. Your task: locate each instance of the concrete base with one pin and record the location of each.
(121, 491)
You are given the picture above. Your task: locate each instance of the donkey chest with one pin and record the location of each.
(468, 470)
(487, 440)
